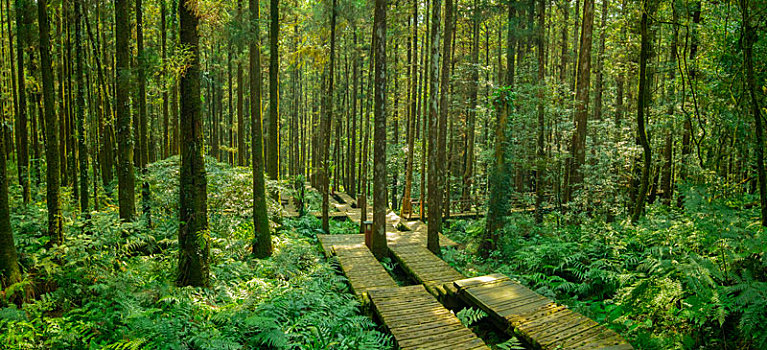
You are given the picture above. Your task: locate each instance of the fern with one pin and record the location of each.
(470, 316)
(512, 344)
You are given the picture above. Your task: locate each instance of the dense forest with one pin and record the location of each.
(607, 154)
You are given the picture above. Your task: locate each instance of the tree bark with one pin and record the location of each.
(499, 179)
(194, 246)
(578, 144)
(81, 112)
(378, 243)
(541, 161)
(262, 240)
(55, 221)
(22, 148)
(327, 125)
(468, 175)
(407, 207)
(273, 158)
(643, 104)
(434, 193)
(749, 38)
(126, 180)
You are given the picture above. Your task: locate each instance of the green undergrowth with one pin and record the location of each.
(692, 278)
(111, 285)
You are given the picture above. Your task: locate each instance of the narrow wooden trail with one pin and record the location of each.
(418, 321)
(415, 315)
(538, 319)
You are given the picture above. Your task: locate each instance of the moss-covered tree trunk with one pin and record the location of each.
(22, 148)
(750, 37)
(194, 248)
(55, 222)
(273, 158)
(9, 265)
(644, 98)
(81, 110)
(499, 177)
(262, 240)
(378, 242)
(126, 180)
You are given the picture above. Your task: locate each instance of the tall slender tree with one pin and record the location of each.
(434, 192)
(126, 180)
(273, 158)
(9, 260)
(240, 100)
(644, 98)
(53, 180)
(541, 153)
(471, 116)
(262, 240)
(578, 143)
(750, 36)
(142, 116)
(81, 110)
(499, 177)
(378, 243)
(194, 247)
(327, 123)
(22, 133)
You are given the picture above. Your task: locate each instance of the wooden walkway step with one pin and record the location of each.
(362, 269)
(418, 321)
(425, 267)
(538, 319)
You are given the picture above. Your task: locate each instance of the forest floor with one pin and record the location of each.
(111, 285)
(680, 278)
(691, 278)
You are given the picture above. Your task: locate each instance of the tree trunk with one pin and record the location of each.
(750, 37)
(378, 243)
(691, 74)
(81, 112)
(262, 240)
(395, 127)
(327, 125)
(355, 84)
(9, 265)
(541, 161)
(434, 192)
(600, 64)
(668, 154)
(407, 207)
(166, 141)
(578, 144)
(644, 98)
(55, 221)
(22, 148)
(468, 175)
(499, 179)
(194, 247)
(125, 176)
(273, 158)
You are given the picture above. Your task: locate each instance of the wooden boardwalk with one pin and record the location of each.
(536, 318)
(418, 321)
(425, 267)
(416, 318)
(362, 269)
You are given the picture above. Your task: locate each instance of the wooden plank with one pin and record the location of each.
(535, 317)
(480, 280)
(453, 343)
(418, 321)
